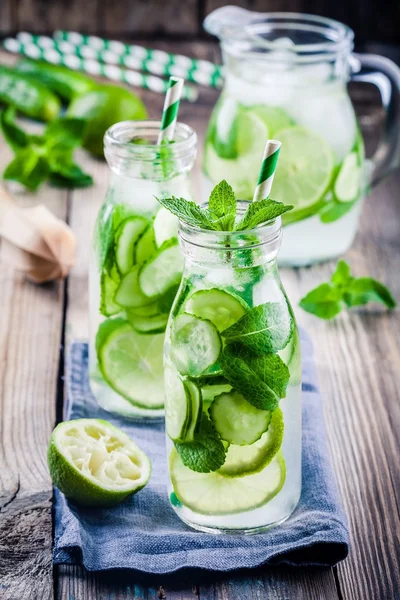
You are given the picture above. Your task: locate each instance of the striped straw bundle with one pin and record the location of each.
(267, 171)
(48, 51)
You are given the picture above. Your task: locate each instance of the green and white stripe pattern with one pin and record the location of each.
(267, 171)
(52, 54)
(157, 62)
(170, 111)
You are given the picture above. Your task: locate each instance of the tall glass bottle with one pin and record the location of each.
(136, 266)
(233, 384)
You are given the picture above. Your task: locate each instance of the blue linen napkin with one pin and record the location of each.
(144, 534)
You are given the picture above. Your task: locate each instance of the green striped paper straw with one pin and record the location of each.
(93, 67)
(158, 62)
(170, 110)
(267, 171)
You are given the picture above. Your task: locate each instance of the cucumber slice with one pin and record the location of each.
(348, 182)
(163, 270)
(129, 294)
(215, 305)
(196, 409)
(291, 356)
(243, 460)
(131, 363)
(108, 287)
(145, 246)
(215, 494)
(178, 406)
(165, 226)
(196, 344)
(210, 391)
(126, 237)
(150, 310)
(237, 421)
(153, 324)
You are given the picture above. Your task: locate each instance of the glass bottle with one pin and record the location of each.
(233, 383)
(286, 77)
(136, 266)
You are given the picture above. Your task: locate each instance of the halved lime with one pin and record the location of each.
(243, 460)
(131, 362)
(348, 182)
(96, 464)
(216, 494)
(304, 172)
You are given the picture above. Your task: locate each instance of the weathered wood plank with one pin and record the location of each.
(44, 16)
(150, 16)
(30, 335)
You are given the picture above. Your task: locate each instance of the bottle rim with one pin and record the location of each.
(269, 233)
(328, 38)
(118, 141)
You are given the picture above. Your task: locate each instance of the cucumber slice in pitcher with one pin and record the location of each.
(178, 406)
(165, 226)
(196, 345)
(237, 421)
(215, 305)
(163, 270)
(244, 460)
(108, 288)
(152, 324)
(145, 246)
(131, 363)
(129, 294)
(215, 494)
(126, 237)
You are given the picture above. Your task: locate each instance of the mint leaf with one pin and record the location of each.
(342, 275)
(222, 203)
(262, 380)
(66, 133)
(28, 168)
(264, 329)
(261, 212)
(364, 289)
(333, 210)
(206, 452)
(324, 301)
(189, 212)
(14, 135)
(69, 174)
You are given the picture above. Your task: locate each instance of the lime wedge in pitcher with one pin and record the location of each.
(306, 165)
(96, 464)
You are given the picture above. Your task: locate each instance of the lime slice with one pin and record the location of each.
(131, 362)
(217, 168)
(220, 307)
(304, 172)
(243, 460)
(348, 182)
(215, 494)
(274, 118)
(95, 464)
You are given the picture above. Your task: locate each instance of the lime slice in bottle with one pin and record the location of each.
(244, 460)
(275, 118)
(304, 172)
(96, 464)
(215, 305)
(348, 182)
(131, 362)
(215, 494)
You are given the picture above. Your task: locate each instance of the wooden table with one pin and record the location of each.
(358, 358)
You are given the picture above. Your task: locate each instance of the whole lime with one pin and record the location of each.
(102, 107)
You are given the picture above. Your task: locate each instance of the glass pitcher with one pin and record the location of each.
(136, 266)
(286, 77)
(233, 394)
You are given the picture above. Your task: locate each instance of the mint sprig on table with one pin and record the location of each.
(221, 212)
(49, 156)
(344, 291)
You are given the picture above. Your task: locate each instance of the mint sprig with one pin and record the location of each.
(262, 380)
(344, 291)
(265, 329)
(206, 452)
(45, 157)
(220, 215)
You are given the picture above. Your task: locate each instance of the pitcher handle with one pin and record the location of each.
(385, 75)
